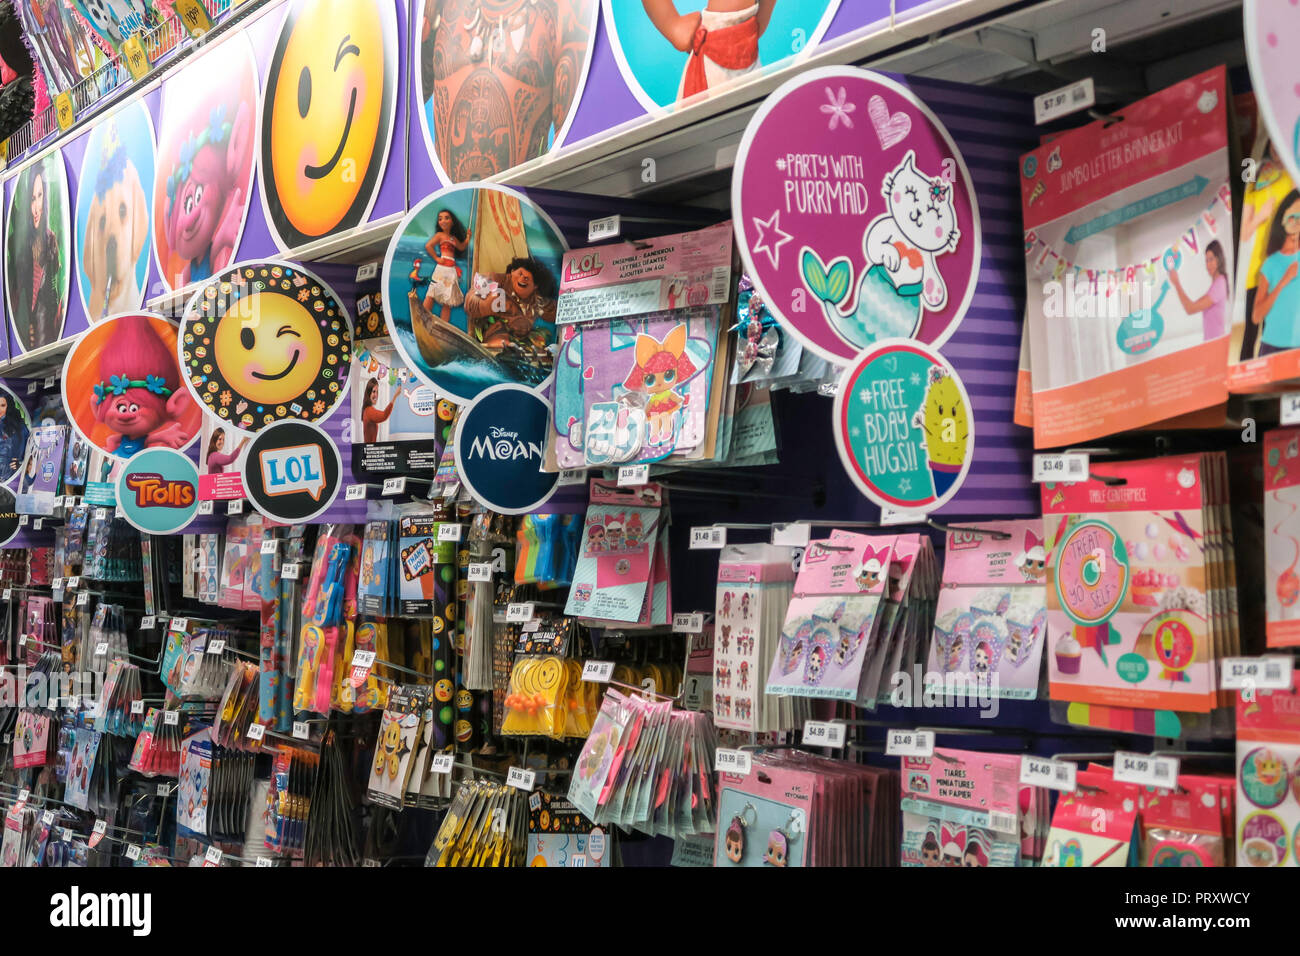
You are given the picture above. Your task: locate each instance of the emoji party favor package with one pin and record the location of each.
(961, 808)
(991, 619)
(1137, 589)
(1268, 767)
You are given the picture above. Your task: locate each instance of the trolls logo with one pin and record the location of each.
(586, 267)
(292, 469)
(502, 445)
(155, 491)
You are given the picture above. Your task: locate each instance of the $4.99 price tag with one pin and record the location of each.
(1146, 770)
(823, 733)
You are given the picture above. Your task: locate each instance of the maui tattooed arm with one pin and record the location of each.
(573, 36)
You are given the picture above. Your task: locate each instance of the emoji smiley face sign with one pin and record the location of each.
(328, 115)
(266, 342)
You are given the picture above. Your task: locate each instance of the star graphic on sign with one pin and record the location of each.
(765, 241)
(905, 485)
(866, 397)
(916, 378)
(855, 431)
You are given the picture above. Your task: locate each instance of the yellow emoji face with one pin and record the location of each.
(270, 350)
(328, 112)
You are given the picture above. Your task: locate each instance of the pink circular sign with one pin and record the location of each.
(1270, 30)
(855, 213)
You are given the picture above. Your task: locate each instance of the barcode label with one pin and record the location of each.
(1064, 101)
(290, 572)
(632, 476)
(726, 760)
(1042, 772)
(301, 731)
(236, 507)
(720, 284)
(1003, 822)
(180, 623)
(1066, 467)
(394, 486)
(598, 672)
(1146, 770)
(442, 763)
(571, 476)
(205, 507)
(101, 649)
(171, 717)
(212, 857)
(607, 228)
(217, 646)
(268, 545)
(263, 861)
(519, 613)
(521, 779)
(708, 538)
(1289, 409)
(133, 852)
(823, 733)
(74, 583)
(688, 622)
(909, 743)
(256, 731)
(450, 532)
(451, 489)
(148, 622)
(1259, 673)
(480, 572)
(892, 516)
(83, 599)
(137, 707)
(355, 493)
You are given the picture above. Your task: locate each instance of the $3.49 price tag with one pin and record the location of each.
(1069, 467)
(909, 743)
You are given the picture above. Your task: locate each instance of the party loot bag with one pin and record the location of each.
(832, 618)
(1282, 536)
(1268, 764)
(906, 618)
(1093, 826)
(618, 557)
(991, 618)
(641, 340)
(1129, 242)
(1136, 596)
(961, 808)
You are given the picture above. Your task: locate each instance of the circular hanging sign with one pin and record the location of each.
(38, 242)
(328, 114)
(15, 426)
(115, 212)
(158, 491)
(470, 284)
(8, 515)
(904, 426)
(123, 390)
(264, 342)
(868, 228)
(1092, 572)
(1271, 27)
(500, 444)
(292, 472)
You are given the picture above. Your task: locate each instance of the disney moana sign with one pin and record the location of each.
(855, 213)
(500, 441)
(904, 427)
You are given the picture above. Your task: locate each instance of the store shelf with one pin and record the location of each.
(38, 363)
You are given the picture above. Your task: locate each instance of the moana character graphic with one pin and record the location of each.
(501, 76)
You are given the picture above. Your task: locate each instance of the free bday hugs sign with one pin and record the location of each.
(855, 213)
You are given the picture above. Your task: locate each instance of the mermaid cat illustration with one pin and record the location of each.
(902, 278)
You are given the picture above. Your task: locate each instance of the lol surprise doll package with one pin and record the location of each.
(991, 618)
(765, 817)
(961, 808)
(1133, 586)
(1268, 776)
(832, 620)
(612, 579)
(1282, 536)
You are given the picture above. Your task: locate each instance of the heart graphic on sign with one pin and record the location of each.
(589, 372)
(891, 129)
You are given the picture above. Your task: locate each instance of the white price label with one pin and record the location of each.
(791, 535)
(38, 524)
(367, 271)
(708, 538)
(179, 623)
(738, 762)
(631, 476)
(24, 795)
(83, 598)
(22, 520)
(205, 507)
(171, 717)
(100, 827)
(448, 531)
(9, 594)
(521, 779)
(519, 613)
(598, 672)
(217, 646)
(236, 506)
(823, 733)
(1289, 412)
(269, 545)
(301, 731)
(395, 486)
(688, 622)
(891, 516)
(148, 622)
(1146, 770)
(212, 857)
(909, 743)
(22, 640)
(101, 649)
(1044, 772)
(50, 380)
(256, 732)
(133, 852)
(1004, 821)
(1261, 673)
(606, 228)
(32, 388)
(442, 763)
(355, 493)
(58, 583)
(263, 861)
(47, 817)
(137, 706)
(533, 626)
(480, 572)
(1068, 468)
(290, 571)
(451, 489)
(1079, 95)
(571, 476)
(74, 582)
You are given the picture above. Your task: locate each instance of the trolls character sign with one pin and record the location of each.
(865, 230)
(122, 387)
(904, 426)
